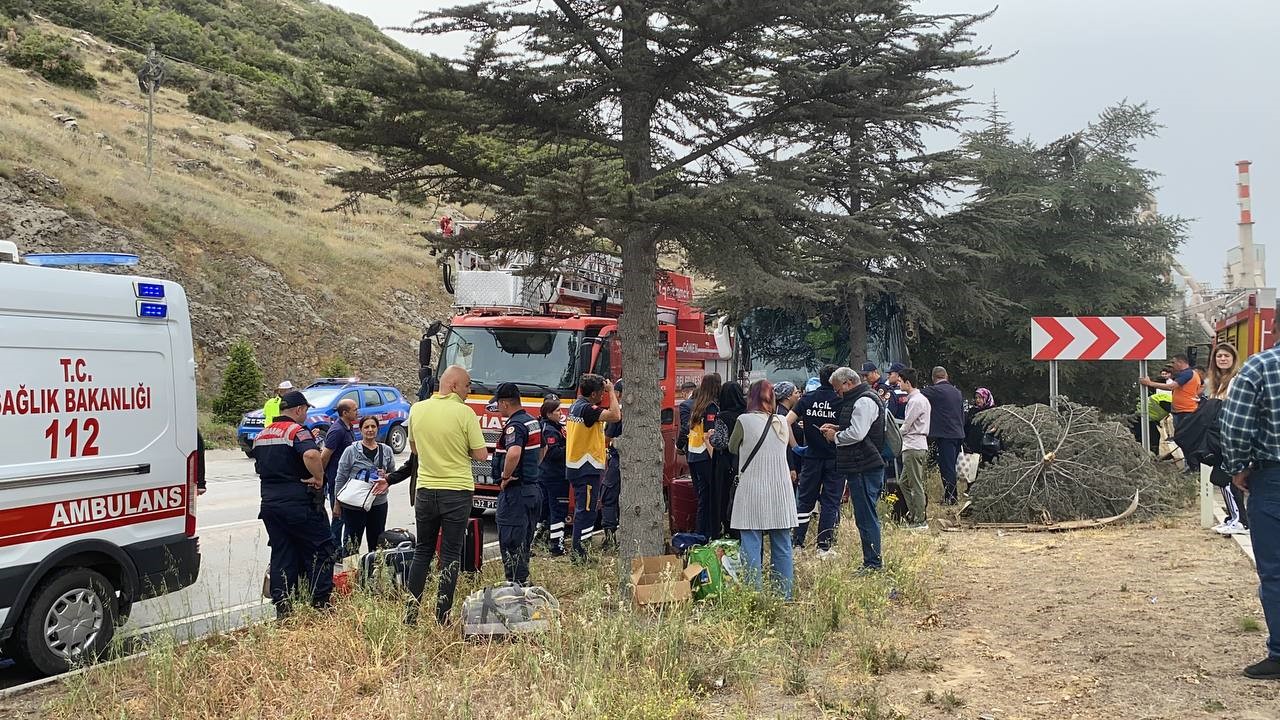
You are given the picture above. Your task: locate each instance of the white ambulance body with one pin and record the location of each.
(98, 456)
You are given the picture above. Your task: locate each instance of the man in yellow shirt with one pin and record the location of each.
(445, 435)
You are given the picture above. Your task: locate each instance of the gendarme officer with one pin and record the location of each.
(515, 467)
(288, 461)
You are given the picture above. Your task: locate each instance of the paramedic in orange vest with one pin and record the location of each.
(1185, 385)
(585, 452)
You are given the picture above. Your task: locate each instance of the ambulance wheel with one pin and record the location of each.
(69, 621)
(397, 438)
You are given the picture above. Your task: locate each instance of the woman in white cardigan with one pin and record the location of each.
(764, 503)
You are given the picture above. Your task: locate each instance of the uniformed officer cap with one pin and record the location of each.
(293, 399)
(507, 391)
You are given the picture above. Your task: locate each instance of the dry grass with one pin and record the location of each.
(736, 657)
(209, 204)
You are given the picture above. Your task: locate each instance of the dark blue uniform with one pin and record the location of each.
(611, 485)
(294, 516)
(555, 486)
(520, 503)
(819, 483)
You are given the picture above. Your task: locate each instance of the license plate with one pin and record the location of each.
(484, 503)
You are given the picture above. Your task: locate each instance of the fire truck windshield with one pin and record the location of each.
(540, 360)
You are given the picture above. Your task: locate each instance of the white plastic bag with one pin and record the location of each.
(967, 467)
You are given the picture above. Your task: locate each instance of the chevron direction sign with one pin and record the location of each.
(1098, 338)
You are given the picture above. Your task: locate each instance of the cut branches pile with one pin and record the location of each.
(1067, 465)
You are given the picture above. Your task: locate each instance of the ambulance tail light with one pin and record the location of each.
(193, 472)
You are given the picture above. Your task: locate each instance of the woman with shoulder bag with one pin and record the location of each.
(764, 503)
(368, 461)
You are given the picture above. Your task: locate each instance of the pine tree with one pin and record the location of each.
(241, 384)
(637, 127)
(1059, 232)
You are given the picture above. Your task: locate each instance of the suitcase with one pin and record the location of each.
(392, 537)
(472, 546)
(683, 505)
(387, 568)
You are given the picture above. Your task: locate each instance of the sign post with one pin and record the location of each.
(1099, 338)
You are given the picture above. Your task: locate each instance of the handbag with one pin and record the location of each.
(358, 492)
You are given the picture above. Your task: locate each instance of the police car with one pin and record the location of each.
(98, 458)
(377, 399)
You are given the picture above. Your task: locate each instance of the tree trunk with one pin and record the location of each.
(643, 517)
(856, 319)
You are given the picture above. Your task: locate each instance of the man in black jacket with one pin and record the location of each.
(858, 435)
(946, 428)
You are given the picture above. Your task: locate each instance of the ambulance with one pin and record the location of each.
(98, 458)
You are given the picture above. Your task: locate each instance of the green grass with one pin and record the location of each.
(217, 435)
(1248, 623)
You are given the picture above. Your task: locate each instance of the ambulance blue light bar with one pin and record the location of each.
(152, 309)
(71, 259)
(150, 291)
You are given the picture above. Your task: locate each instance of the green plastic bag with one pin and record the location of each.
(710, 581)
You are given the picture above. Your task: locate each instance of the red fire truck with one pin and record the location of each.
(545, 334)
(1248, 321)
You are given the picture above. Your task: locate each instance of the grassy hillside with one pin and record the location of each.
(235, 213)
(257, 50)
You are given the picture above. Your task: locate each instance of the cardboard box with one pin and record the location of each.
(662, 579)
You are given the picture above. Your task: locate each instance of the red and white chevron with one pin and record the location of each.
(1098, 338)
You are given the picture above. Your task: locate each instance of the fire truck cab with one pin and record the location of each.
(545, 336)
(98, 456)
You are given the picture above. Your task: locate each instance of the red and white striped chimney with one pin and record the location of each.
(1250, 275)
(1242, 191)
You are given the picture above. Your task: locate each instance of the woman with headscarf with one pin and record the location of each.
(973, 430)
(733, 402)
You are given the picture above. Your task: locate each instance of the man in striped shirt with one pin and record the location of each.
(1251, 455)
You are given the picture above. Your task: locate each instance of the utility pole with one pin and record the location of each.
(150, 76)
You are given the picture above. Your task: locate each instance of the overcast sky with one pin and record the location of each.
(1206, 67)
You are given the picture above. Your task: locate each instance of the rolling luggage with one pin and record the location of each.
(387, 568)
(472, 546)
(392, 537)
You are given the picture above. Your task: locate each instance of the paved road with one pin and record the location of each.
(234, 556)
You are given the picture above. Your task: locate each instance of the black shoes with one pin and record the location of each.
(1268, 669)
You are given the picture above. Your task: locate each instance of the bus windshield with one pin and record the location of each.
(540, 361)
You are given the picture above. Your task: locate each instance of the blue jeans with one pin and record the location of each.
(1264, 531)
(819, 483)
(701, 472)
(864, 492)
(783, 572)
(948, 455)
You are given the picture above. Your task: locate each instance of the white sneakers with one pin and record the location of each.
(1232, 527)
(827, 554)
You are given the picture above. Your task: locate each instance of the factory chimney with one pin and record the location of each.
(1250, 270)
